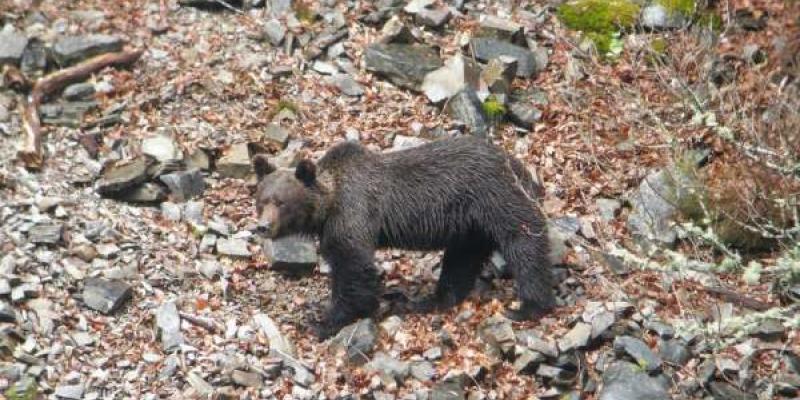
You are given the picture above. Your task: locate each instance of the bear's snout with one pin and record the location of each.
(267, 224)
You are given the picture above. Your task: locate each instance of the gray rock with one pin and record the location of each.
(638, 351)
(278, 343)
(276, 135)
(674, 352)
(726, 391)
(607, 208)
(389, 366)
(554, 375)
(123, 176)
(12, 45)
(527, 361)
(486, 49)
(203, 388)
(498, 336)
(324, 68)
(72, 392)
(193, 211)
(171, 211)
(169, 367)
(279, 8)
(105, 295)
(247, 379)
(404, 65)
(450, 388)
(291, 255)
(657, 17)
(34, 58)
(46, 233)
(497, 77)
(534, 341)
(578, 337)
(72, 49)
(79, 91)
(347, 84)
(145, 193)
(275, 31)
(466, 108)
(433, 18)
(395, 31)
(663, 330)
(626, 381)
(445, 82)
(24, 291)
(161, 147)
(7, 313)
(523, 114)
(357, 340)
(209, 268)
(235, 162)
(654, 208)
(200, 159)
(184, 185)
(433, 354)
(423, 371)
(233, 247)
(601, 322)
(501, 29)
(168, 323)
(769, 329)
(403, 142)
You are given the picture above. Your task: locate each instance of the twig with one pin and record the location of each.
(205, 323)
(740, 299)
(30, 152)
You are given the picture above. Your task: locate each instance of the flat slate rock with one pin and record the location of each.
(235, 162)
(105, 295)
(168, 322)
(233, 247)
(357, 340)
(123, 176)
(12, 45)
(403, 64)
(626, 381)
(146, 193)
(185, 185)
(291, 255)
(466, 108)
(72, 49)
(639, 351)
(46, 233)
(486, 49)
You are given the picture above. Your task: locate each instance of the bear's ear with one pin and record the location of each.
(262, 166)
(306, 172)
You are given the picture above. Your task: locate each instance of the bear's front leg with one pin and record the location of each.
(354, 284)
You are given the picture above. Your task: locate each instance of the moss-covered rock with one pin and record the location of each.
(601, 21)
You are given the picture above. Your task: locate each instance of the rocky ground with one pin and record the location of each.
(128, 265)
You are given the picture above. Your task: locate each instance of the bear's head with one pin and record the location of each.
(287, 202)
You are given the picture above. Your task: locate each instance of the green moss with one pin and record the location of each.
(599, 16)
(493, 108)
(709, 20)
(685, 7)
(15, 393)
(304, 12)
(659, 45)
(286, 105)
(600, 21)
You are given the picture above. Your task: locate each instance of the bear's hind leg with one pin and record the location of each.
(527, 256)
(461, 264)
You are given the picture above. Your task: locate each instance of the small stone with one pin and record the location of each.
(162, 148)
(403, 142)
(770, 329)
(293, 256)
(534, 341)
(145, 193)
(392, 325)
(247, 379)
(72, 49)
(123, 176)
(657, 17)
(34, 58)
(445, 82)
(554, 374)
(184, 185)
(601, 322)
(663, 330)
(7, 313)
(24, 291)
(169, 367)
(277, 341)
(416, 6)
(357, 341)
(433, 354)
(466, 107)
(233, 247)
(105, 295)
(235, 162)
(450, 388)
(171, 211)
(209, 268)
(168, 323)
(726, 391)
(79, 91)
(433, 18)
(275, 31)
(501, 29)
(203, 388)
(276, 135)
(198, 159)
(674, 352)
(626, 381)
(607, 208)
(638, 351)
(527, 361)
(404, 65)
(12, 45)
(73, 392)
(577, 337)
(423, 371)
(395, 31)
(324, 68)
(46, 233)
(486, 49)
(498, 336)
(347, 85)
(82, 339)
(389, 366)
(106, 250)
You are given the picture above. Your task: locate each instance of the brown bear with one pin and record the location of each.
(460, 194)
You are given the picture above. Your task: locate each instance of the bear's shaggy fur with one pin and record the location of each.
(460, 194)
